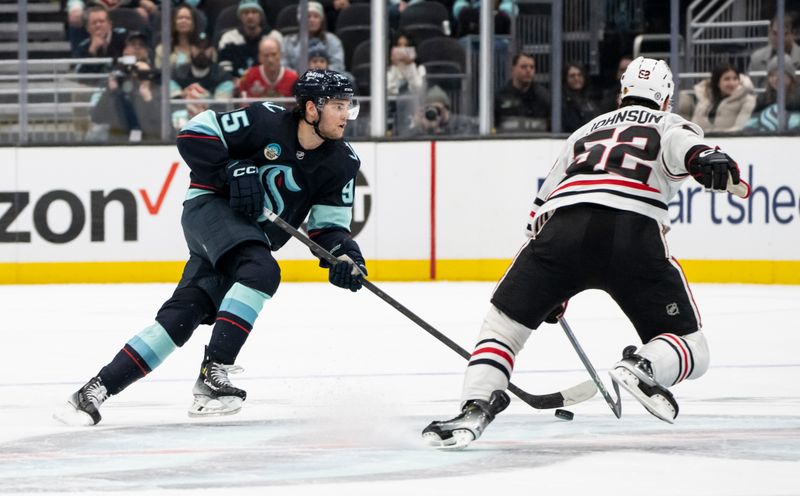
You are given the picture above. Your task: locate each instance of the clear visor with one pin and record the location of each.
(352, 110)
(341, 103)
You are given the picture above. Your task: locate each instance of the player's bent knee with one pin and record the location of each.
(253, 265)
(183, 312)
(263, 274)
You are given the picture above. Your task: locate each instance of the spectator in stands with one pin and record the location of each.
(139, 43)
(76, 32)
(316, 30)
(201, 79)
(318, 58)
(765, 114)
(467, 16)
(332, 11)
(269, 78)
(437, 119)
(129, 109)
(610, 98)
(761, 57)
(238, 48)
(522, 105)
(104, 40)
(184, 30)
(721, 104)
(396, 7)
(75, 27)
(577, 107)
(404, 75)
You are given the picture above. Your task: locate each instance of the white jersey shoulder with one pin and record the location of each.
(632, 158)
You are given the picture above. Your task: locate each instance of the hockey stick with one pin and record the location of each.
(570, 396)
(742, 189)
(616, 406)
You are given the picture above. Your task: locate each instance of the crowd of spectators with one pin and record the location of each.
(253, 56)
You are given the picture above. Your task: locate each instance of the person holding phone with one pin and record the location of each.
(404, 76)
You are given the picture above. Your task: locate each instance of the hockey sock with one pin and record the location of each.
(676, 358)
(492, 361)
(140, 355)
(235, 320)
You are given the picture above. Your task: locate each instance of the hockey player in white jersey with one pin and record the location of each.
(598, 222)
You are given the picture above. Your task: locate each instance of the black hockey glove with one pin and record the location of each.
(711, 168)
(349, 272)
(246, 192)
(556, 313)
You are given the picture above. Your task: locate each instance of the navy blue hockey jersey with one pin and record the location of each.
(317, 183)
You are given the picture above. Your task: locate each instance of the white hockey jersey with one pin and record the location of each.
(630, 159)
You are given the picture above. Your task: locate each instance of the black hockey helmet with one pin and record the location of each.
(320, 86)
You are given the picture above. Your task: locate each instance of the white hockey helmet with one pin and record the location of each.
(650, 79)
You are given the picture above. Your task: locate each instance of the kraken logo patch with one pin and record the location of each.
(272, 151)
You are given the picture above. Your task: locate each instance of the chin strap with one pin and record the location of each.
(315, 125)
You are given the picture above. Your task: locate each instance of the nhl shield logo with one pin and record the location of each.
(672, 309)
(300, 155)
(272, 151)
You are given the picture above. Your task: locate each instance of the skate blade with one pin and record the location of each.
(460, 439)
(205, 406)
(657, 405)
(71, 416)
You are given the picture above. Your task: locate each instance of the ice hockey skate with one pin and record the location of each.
(83, 407)
(214, 395)
(635, 374)
(458, 432)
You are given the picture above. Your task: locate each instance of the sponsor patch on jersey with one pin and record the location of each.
(272, 151)
(300, 155)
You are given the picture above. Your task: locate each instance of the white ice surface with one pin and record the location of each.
(340, 385)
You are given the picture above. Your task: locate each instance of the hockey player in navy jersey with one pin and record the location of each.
(293, 162)
(598, 222)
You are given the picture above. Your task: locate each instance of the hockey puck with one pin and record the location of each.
(564, 414)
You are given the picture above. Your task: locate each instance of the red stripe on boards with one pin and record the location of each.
(433, 211)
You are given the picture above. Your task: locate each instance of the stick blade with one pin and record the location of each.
(579, 393)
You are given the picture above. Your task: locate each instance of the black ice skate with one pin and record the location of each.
(635, 374)
(83, 407)
(213, 392)
(457, 433)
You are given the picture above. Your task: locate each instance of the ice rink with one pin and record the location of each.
(340, 386)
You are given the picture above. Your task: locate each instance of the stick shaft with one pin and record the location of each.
(553, 400)
(616, 406)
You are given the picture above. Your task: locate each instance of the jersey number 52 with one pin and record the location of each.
(611, 156)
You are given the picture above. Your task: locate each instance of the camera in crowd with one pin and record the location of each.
(432, 113)
(126, 70)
